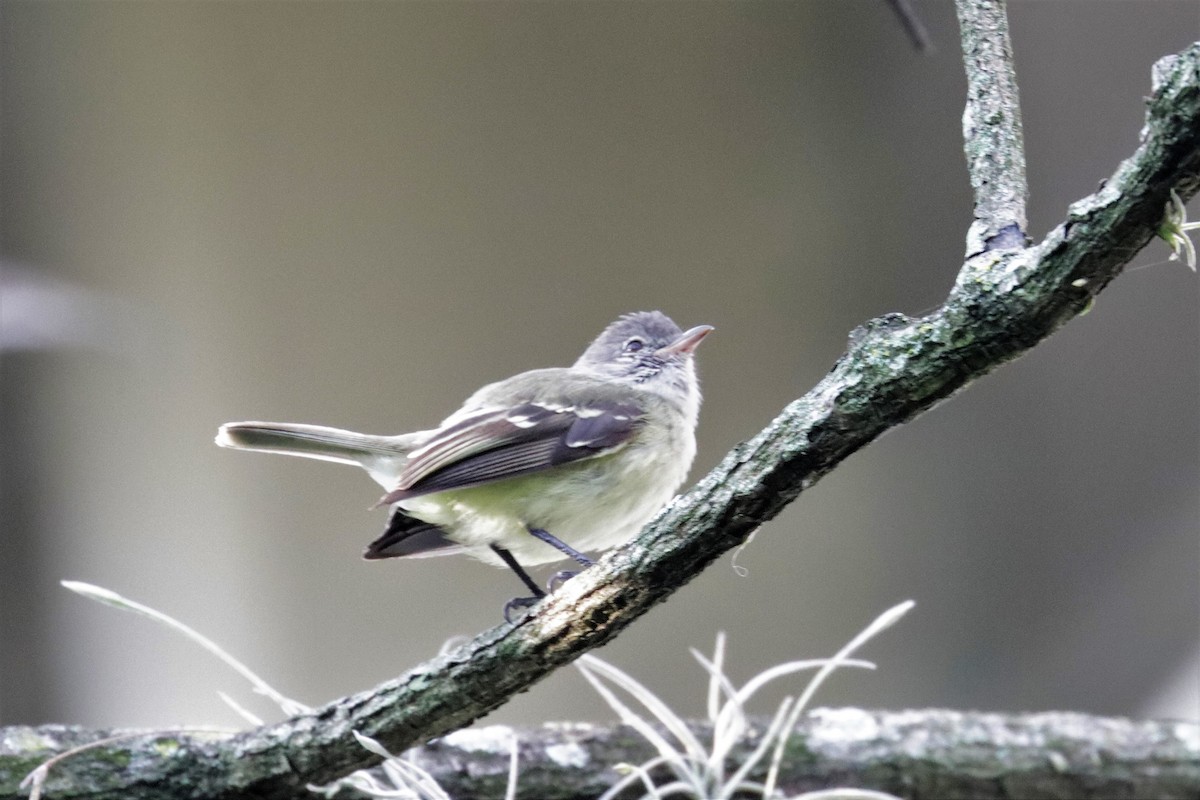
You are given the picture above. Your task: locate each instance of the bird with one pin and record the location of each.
(539, 467)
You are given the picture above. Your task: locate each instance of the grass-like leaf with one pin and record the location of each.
(884, 621)
(110, 598)
(700, 772)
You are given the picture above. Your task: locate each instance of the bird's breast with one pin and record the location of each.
(592, 505)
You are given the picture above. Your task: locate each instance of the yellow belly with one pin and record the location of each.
(591, 505)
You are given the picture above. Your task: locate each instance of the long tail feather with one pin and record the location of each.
(315, 441)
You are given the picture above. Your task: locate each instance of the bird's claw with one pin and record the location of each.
(518, 604)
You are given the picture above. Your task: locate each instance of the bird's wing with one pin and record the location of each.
(494, 444)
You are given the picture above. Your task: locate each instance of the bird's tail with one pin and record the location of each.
(315, 441)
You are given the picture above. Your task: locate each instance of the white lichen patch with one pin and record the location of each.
(1058, 761)
(842, 726)
(568, 754)
(23, 739)
(573, 728)
(1107, 195)
(1189, 734)
(494, 739)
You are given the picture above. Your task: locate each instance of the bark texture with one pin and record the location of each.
(992, 135)
(914, 754)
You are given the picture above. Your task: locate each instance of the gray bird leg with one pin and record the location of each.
(561, 546)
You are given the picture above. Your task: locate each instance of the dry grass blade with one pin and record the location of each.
(101, 595)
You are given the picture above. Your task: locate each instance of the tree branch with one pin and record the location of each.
(1004, 301)
(992, 135)
(915, 754)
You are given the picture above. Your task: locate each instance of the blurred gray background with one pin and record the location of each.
(356, 213)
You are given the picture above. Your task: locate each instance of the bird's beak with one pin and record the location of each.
(686, 342)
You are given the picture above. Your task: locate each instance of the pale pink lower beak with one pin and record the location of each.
(687, 341)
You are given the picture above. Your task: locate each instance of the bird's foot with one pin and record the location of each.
(518, 604)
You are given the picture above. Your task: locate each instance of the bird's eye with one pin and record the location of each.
(633, 345)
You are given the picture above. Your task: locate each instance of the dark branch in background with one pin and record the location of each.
(992, 136)
(1004, 301)
(912, 25)
(916, 754)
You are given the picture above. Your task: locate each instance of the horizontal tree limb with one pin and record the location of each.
(917, 754)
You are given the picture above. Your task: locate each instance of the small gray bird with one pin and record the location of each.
(533, 468)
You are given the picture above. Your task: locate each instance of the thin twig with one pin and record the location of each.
(992, 137)
(911, 22)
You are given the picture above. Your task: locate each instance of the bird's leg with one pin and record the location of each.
(561, 546)
(566, 574)
(518, 602)
(538, 594)
(508, 559)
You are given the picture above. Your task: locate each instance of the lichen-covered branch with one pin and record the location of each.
(992, 138)
(1004, 301)
(914, 754)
